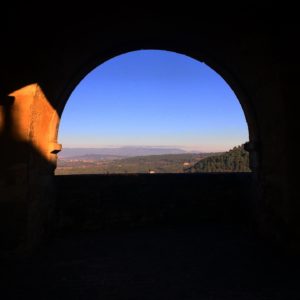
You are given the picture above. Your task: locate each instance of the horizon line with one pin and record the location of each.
(184, 148)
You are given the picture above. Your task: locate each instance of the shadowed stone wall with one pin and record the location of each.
(90, 202)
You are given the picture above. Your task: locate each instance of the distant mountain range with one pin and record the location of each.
(117, 152)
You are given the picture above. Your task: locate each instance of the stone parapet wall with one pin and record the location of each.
(89, 202)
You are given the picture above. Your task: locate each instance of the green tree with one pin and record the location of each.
(234, 160)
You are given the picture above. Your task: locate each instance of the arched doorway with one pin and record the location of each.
(114, 198)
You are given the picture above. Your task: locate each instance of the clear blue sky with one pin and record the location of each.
(153, 98)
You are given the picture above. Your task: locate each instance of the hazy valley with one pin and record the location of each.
(149, 160)
(111, 164)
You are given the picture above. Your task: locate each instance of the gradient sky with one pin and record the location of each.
(153, 98)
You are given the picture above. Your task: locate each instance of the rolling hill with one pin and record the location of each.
(234, 160)
(129, 151)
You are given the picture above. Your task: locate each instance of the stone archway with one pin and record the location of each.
(39, 85)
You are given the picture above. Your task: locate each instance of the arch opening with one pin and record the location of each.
(153, 102)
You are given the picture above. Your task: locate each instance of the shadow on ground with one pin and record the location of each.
(207, 261)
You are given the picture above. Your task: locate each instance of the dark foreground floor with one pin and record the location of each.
(191, 262)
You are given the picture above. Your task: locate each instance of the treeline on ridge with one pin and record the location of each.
(234, 160)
